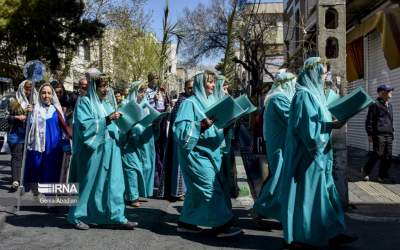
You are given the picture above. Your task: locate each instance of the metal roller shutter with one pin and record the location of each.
(379, 73)
(356, 135)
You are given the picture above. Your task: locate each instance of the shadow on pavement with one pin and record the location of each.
(357, 159)
(376, 210)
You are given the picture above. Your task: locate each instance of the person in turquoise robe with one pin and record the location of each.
(311, 213)
(226, 173)
(96, 161)
(138, 156)
(200, 158)
(276, 116)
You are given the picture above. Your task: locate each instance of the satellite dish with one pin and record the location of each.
(34, 70)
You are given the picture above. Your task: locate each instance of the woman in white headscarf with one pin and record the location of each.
(18, 110)
(47, 139)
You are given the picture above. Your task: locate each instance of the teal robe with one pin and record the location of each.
(312, 212)
(200, 158)
(96, 165)
(138, 158)
(276, 117)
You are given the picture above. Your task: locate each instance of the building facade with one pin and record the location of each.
(373, 58)
(268, 11)
(360, 40)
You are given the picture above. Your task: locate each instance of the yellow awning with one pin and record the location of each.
(387, 23)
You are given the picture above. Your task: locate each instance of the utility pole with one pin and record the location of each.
(331, 44)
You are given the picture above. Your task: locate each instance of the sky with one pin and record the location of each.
(176, 10)
(156, 7)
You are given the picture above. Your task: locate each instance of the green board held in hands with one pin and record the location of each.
(150, 115)
(224, 112)
(348, 106)
(132, 113)
(244, 102)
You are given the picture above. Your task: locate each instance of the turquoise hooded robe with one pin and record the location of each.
(227, 155)
(276, 116)
(138, 156)
(96, 162)
(200, 157)
(311, 212)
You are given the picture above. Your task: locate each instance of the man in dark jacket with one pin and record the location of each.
(379, 126)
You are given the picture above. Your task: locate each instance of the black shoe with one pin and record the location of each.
(299, 246)
(188, 228)
(342, 239)
(81, 226)
(130, 225)
(386, 180)
(229, 232)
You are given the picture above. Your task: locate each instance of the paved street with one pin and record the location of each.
(37, 228)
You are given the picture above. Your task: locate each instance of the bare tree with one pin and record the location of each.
(227, 26)
(257, 35)
(205, 29)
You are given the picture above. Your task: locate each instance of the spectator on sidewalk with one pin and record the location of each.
(158, 99)
(172, 185)
(18, 110)
(379, 126)
(65, 99)
(119, 97)
(82, 89)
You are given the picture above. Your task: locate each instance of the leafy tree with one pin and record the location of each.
(47, 30)
(8, 7)
(135, 54)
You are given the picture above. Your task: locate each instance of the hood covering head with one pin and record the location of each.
(310, 78)
(219, 88)
(22, 99)
(133, 91)
(37, 132)
(284, 84)
(95, 102)
(200, 91)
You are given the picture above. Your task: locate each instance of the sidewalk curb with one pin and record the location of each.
(245, 201)
(361, 217)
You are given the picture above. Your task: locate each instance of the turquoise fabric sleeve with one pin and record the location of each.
(92, 129)
(186, 128)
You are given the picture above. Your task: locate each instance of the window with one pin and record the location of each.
(331, 18)
(297, 29)
(86, 51)
(332, 48)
